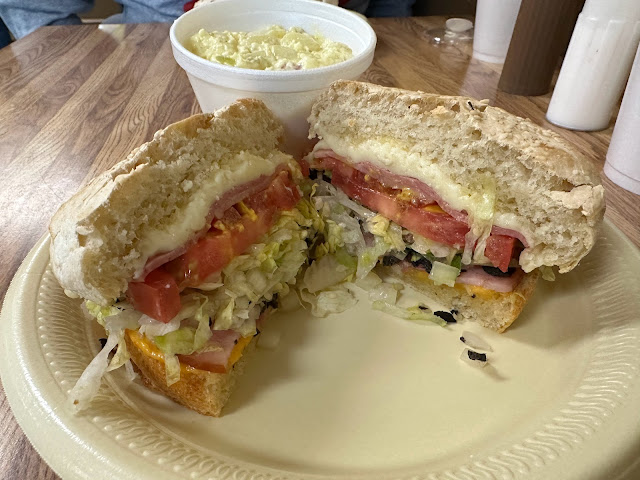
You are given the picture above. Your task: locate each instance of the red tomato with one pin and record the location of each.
(158, 296)
(242, 228)
(438, 226)
(499, 250)
(208, 255)
(304, 167)
(435, 225)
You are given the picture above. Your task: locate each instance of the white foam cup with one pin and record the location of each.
(288, 93)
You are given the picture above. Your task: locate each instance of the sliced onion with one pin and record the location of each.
(467, 357)
(475, 341)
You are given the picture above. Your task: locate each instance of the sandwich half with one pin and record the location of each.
(465, 202)
(181, 250)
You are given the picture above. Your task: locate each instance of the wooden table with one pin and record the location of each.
(75, 100)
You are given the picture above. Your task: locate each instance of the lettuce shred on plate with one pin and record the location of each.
(351, 241)
(235, 299)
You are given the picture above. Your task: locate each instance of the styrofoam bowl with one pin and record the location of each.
(288, 93)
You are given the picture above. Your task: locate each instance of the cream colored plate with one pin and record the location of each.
(357, 395)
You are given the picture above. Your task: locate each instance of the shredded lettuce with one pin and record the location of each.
(115, 319)
(181, 341)
(171, 369)
(267, 268)
(425, 245)
(390, 231)
(411, 313)
(153, 328)
(100, 312)
(188, 339)
(548, 273)
(326, 272)
(443, 274)
(120, 357)
(385, 292)
(370, 281)
(368, 259)
(89, 382)
(336, 299)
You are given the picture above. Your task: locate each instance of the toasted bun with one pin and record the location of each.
(202, 391)
(490, 309)
(461, 147)
(159, 197)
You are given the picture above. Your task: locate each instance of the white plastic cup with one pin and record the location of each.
(495, 20)
(288, 93)
(623, 158)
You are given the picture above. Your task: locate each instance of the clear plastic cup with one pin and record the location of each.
(455, 31)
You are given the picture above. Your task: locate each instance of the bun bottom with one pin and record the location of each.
(489, 308)
(200, 390)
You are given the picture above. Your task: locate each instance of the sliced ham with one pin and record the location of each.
(326, 158)
(221, 344)
(476, 276)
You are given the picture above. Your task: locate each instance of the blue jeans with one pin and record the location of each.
(5, 38)
(24, 16)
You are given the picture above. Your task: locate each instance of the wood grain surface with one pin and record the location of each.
(74, 100)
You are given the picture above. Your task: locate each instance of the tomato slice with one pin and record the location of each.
(499, 250)
(158, 296)
(236, 230)
(239, 227)
(418, 217)
(438, 226)
(304, 167)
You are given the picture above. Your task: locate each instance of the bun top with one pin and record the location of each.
(159, 197)
(476, 157)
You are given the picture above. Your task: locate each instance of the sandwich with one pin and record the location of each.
(181, 251)
(184, 249)
(462, 201)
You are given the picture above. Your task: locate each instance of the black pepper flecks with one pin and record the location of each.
(471, 105)
(446, 316)
(479, 357)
